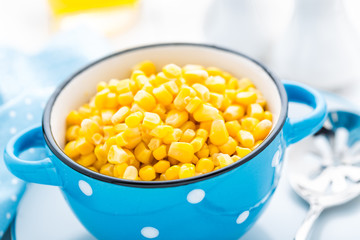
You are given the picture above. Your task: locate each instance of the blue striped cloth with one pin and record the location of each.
(25, 84)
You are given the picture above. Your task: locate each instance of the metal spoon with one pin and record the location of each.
(330, 173)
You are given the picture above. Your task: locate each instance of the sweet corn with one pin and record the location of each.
(262, 129)
(119, 170)
(234, 112)
(172, 172)
(160, 152)
(172, 71)
(176, 118)
(147, 173)
(182, 152)
(187, 170)
(131, 173)
(151, 120)
(246, 98)
(162, 95)
(145, 100)
(146, 67)
(229, 147)
(256, 111)
(246, 138)
(242, 152)
(161, 166)
(204, 165)
(218, 133)
(177, 123)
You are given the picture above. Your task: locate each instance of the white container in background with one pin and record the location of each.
(320, 46)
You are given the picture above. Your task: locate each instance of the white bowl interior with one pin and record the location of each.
(83, 86)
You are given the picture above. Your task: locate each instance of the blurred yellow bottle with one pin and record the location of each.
(107, 16)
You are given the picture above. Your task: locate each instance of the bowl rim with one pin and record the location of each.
(57, 151)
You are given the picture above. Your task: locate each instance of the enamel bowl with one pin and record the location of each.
(222, 204)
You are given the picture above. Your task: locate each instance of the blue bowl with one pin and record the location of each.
(222, 204)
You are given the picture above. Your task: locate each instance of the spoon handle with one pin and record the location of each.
(304, 230)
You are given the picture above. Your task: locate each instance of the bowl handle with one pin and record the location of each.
(297, 129)
(37, 171)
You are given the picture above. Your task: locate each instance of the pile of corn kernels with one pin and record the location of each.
(174, 124)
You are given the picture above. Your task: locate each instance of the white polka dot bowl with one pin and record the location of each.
(222, 204)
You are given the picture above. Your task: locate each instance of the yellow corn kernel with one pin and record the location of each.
(72, 133)
(179, 101)
(187, 136)
(172, 173)
(106, 116)
(136, 108)
(242, 152)
(176, 118)
(189, 67)
(197, 143)
(172, 71)
(159, 79)
(256, 111)
(203, 152)
(161, 131)
(202, 133)
(131, 173)
(216, 99)
(233, 128)
(100, 154)
(202, 91)
(160, 152)
(268, 115)
(194, 160)
(234, 112)
(215, 84)
(124, 86)
(111, 100)
(231, 94)
(133, 137)
(119, 170)
(71, 150)
(213, 149)
(187, 170)
(229, 147)
(235, 158)
(193, 104)
(121, 140)
(145, 100)
(224, 160)
(140, 80)
(232, 83)
(134, 162)
(85, 111)
(244, 84)
(87, 160)
(97, 139)
(206, 113)
(262, 129)
(218, 133)
(134, 119)
(117, 155)
(188, 125)
(246, 98)
(147, 173)
(120, 127)
(101, 98)
(173, 137)
(204, 165)
(257, 143)
(246, 138)
(120, 115)
(110, 141)
(154, 144)
(112, 85)
(101, 86)
(93, 169)
(181, 151)
(172, 87)
(214, 71)
(143, 154)
(89, 127)
(162, 95)
(161, 166)
(136, 73)
(206, 125)
(173, 161)
(195, 76)
(151, 120)
(249, 123)
(74, 118)
(125, 99)
(146, 67)
(83, 146)
(107, 169)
